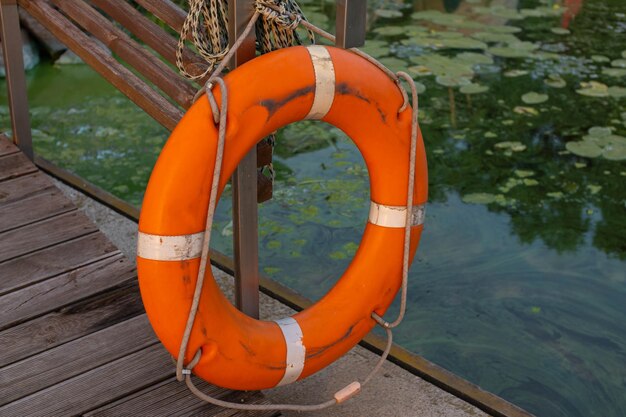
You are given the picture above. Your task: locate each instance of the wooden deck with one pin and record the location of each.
(74, 339)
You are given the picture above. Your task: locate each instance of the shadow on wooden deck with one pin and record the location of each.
(74, 339)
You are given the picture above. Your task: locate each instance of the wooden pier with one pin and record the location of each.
(74, 338)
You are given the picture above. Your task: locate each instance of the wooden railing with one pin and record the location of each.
(93, 30)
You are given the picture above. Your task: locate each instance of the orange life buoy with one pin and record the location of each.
(269, 92)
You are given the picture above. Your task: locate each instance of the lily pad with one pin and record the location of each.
(479, 198)
(528, 111)
(495, 37)
(394, 64)
(441, 65)
(419, 87)
(515, 73)
(474, 88)
(534, 98)
(512, 145)
(560, 31)
(449, 81)
(419, 71)
(593, 89)
(584, 148)
(555, 81)
(376, 48)
(600, 58)
(599, 131)
(523, 173)
(624, 54)
(617, 92)
(389, 31)
(509, 52)
(614, 72)
(619, 63)
(530, 182)
(474, 58)
(388, 14)
(614, 152)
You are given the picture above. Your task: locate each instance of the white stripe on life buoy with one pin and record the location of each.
(296, 351)
(169, 248)
(395, 216)
(324, 82)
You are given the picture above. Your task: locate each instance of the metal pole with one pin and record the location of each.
(350, 23)
(16, 79)
(244, 182)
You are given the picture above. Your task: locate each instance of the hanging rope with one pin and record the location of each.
(207, 23)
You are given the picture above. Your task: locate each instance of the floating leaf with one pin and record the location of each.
(529, 111)
(495, 37)
(376, 48)
(474, 89)
(419, 70)
(523, 174)
(390, 30)
(555, 81)
(503, 29)
(394, 64)
(388, 14)
(617, 92)
(514, 146)
(449, 81)
(515, 73)
(600, 58)
(419, 87)
(594, 189)
(441, 65)
(490, 135)
(479, 198)
(509, 52)
(534, 98)
(614, 152)
(529, 182)
(619, 63)
(614, 72)
(555, 194)
(585, 149)
(599, 131)
(624, 54)
(474, 58)
(560, 31)
(593, 89)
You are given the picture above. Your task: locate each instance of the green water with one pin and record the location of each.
(519, 284)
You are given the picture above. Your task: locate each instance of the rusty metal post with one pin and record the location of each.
(244, 182)
(16, 79)
(350, 23)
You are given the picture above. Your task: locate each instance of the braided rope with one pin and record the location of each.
(207, 23)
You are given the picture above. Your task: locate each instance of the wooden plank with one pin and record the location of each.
(149, 32)
(24, 187)
(97, 387)
(53, 47)
(68, 323)
(74, 358)
(40, 265)
(98, 58)
(32, 209)
(6, 146)
(15, 165)
(172, 398)
(166, 11)
(27, 239)
(121, 44)
(46, 296)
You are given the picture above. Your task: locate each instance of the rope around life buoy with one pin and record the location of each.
(220, 114)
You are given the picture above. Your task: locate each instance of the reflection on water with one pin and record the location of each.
(519, 284)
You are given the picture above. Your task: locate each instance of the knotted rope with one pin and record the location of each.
(207, 23)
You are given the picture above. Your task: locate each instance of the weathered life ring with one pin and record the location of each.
(269, 92)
